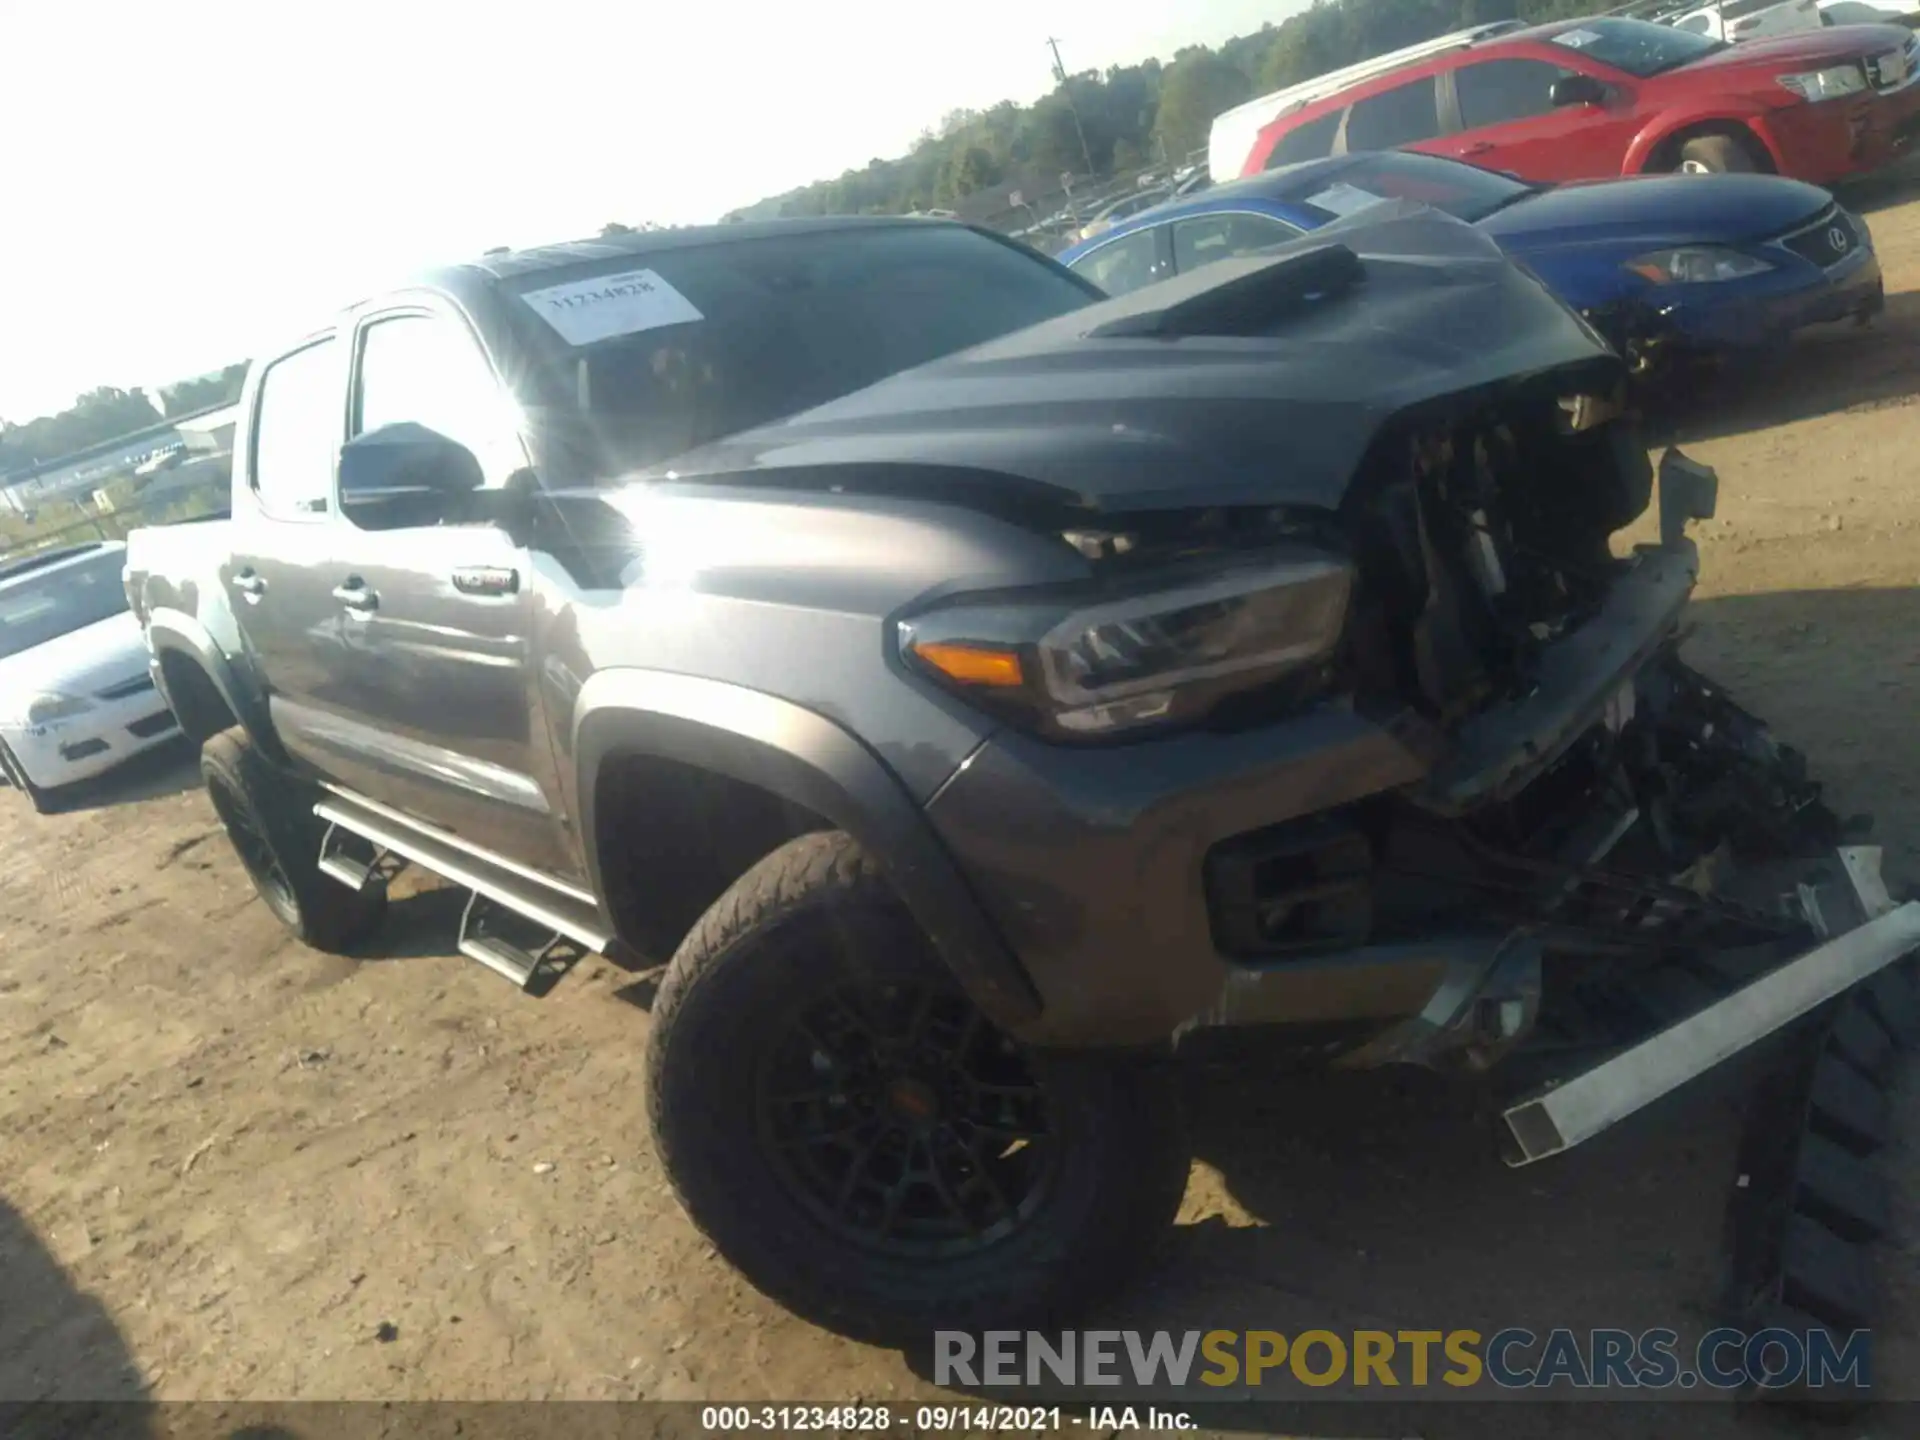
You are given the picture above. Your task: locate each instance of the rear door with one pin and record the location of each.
(1501, 116)
(1404, 116)
(282, 543)
(437, 616)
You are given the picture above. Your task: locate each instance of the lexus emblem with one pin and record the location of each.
(1838, 238)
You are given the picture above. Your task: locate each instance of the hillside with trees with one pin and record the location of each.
(1138, 115)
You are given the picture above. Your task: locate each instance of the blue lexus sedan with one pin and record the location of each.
(1691, 262)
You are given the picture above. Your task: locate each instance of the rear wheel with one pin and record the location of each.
(1716, 155)
(268, 816)
(864, 1146)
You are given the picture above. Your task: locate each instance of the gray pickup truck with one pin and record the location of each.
(967, 686)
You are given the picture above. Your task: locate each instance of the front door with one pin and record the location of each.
(437, 617)
(1508, 121)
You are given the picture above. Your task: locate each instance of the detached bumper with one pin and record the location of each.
(1580, 1106)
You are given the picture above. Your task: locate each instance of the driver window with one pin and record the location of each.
(426, 369)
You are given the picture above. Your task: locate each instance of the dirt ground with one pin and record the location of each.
(233, 1168)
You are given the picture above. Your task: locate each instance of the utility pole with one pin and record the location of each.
(1060, 74)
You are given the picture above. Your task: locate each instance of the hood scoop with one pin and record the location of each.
(1248, 304)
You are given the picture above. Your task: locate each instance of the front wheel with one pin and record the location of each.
(864, 1146)
(16, 773)
(1716, 155)
(268, 816)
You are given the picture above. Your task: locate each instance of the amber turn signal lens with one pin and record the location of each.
(973, 664)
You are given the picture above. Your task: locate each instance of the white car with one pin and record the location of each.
(1751, 19)
(1870, 12)
(76, 696)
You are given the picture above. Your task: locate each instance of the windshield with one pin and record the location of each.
(1638, 47)
(37, 608)
(738, 334)
(1465, 192)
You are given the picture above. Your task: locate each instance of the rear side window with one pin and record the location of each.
(1497, 91)
(1204, 239)
(1311, 141)
(296, 431)
(1405, 115)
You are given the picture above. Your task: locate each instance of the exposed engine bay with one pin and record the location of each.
(1592, 793)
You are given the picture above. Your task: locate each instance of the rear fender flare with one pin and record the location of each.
(807, 759)
(175, 631)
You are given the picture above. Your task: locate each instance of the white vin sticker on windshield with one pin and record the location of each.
(1341, 198)
(584, 311)
(1576, 39)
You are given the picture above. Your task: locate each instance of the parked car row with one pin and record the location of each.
(1659, 264)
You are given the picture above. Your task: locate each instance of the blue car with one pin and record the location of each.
(1702, 263)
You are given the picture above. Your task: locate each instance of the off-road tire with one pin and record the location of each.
(1716, 155)
(43, 801)
(812, 917)
(268, 816)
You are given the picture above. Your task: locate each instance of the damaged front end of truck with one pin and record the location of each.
(1621, 876)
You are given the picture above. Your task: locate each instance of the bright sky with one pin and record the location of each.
(186, 182)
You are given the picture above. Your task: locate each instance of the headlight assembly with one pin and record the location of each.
(1834, 83)
(1158, 654)
(1697, 264)
(45, 709)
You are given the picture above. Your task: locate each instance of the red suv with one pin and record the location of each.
(1601, 97)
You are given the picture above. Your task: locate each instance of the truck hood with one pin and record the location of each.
(1184, 394)
(1788, 54)
(81, 662)
(1657, 209)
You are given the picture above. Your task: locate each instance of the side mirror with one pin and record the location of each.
(1576, 90)
(405, 469)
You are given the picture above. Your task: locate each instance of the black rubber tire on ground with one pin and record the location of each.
(268, 815)
(816, 919)
(43, 801)
(1716, 155)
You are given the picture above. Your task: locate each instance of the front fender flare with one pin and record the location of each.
(176, 631)
(809, 760)
(1648, 142)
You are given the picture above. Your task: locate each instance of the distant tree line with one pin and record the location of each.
(1134, 116)
(107, 412)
